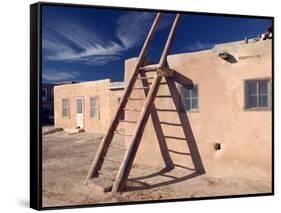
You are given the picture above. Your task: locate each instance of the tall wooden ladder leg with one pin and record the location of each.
(103, 148)
(127, 163)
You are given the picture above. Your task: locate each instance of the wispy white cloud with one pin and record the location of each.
(98, 60)
(54, 75)
(199, 46)
(72, 41)
(132, 28)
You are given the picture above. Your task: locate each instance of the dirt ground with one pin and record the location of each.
(67, 158)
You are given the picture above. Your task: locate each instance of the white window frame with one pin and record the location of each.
(269, 95)
(189, 98)
(94, 107)
(65, 108)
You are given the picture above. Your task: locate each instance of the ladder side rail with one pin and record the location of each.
(130, 154)
(169, 41)
(127, 163)
(102, 150)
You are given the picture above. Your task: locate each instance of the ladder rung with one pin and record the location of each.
(152, 67)
(162, 83)
(127, 121)
(120, 133)
(145, 77)
(132, 110)
(163, 96)
(113, 160)
(118, 147)
(136, 99)
(140, 88)
(106, 174)
(152, 70)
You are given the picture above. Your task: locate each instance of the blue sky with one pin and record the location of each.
(85, 44)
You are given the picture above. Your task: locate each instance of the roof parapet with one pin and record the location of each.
(116, 85)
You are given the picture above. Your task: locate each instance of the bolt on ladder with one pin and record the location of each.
(160, 70)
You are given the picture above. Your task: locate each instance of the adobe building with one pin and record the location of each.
(87, 105)
(214, 115)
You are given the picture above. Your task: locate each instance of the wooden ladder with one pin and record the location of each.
(160, 70)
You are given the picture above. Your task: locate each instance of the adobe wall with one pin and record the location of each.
(85, 90)
(115, 95)
(188, 139)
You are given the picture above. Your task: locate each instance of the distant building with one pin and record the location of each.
(47, 103)
(88, 105)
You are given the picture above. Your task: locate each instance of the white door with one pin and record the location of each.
(79, 113)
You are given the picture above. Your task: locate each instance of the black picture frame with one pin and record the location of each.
(36, 105)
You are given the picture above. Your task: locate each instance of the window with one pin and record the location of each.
(257, 94)
(94, 107)
(189, 97)
(79, 105)
(65, 111)
(44, 94)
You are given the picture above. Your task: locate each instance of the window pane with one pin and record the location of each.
(187, 105)
(93, 112)
(93, 107)
(186, 92)
(182, 96)
(182, 92)
(194, 92)
(252, 101)
(263, 102)
(189, 95)
(79, 105)
(257, 93)
(263, 87)
(251, 87)
(194, 103)
(64, 103)
(64, 112)
(64, 107)
(93, 102)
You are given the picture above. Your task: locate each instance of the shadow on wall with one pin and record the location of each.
(188, 138)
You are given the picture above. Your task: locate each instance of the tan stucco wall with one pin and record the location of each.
(86, 90)
(115, 95)
(245, 136)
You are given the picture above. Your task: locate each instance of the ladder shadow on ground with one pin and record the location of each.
(165, 152)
